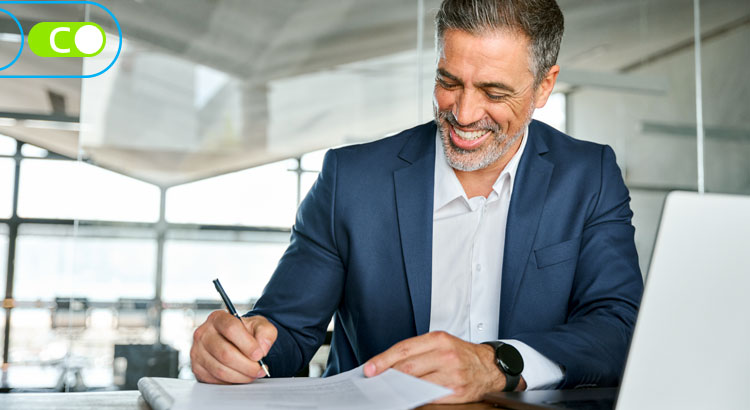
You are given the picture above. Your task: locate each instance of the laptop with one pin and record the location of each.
(691, 345)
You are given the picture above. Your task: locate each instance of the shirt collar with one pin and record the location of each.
(447, 185)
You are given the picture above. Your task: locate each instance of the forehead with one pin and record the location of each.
(487, 55)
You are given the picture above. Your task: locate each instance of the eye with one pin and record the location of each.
(496, 97)
(445, 84)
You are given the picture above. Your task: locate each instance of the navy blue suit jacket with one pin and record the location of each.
(361, 248)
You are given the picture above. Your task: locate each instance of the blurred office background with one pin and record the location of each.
(122, 196)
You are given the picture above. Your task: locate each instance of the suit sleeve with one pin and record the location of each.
(306, 287)
(592, 345)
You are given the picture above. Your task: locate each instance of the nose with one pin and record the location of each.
(468, 108)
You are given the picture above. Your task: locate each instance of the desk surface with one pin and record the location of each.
(127, 400)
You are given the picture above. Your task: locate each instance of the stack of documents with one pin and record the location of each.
(391, 390)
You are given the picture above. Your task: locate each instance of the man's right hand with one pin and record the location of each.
(224, 351)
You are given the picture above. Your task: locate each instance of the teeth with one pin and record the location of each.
(468, 136)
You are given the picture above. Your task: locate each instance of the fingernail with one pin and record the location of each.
(261, 374)
(370, 369)
(257, 355)
(265, 344)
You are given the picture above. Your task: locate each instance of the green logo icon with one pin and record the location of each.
(66, 39)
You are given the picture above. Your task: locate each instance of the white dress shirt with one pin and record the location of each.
(468, 241)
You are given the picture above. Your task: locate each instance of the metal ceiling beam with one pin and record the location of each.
(39, 117)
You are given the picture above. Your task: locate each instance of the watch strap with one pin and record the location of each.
(511, 381)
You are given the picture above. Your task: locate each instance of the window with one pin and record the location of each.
(261, 196)
(100, 264)
(3, 267)
(243, 268)
(7, 173)
(177, 327)
(313, 161)
(31, 341)
(37, 349)
(28, 150)
(312, 164)
(97, 264)
(7, 145)
(62, 189)
(3, 257)
(2, 324)
(307, 182)
(553, 113)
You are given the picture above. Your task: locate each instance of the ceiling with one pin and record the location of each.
(205, 87)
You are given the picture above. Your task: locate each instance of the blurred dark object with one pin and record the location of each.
(135, 313)
(133, 361)
(208, 304)
(70, 313)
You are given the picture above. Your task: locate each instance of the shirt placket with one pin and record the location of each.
(476, 321)
(481, 315)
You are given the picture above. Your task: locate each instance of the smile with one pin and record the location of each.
(468, 140)
(470, 136)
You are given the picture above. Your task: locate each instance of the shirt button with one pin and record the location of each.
(480, 327)
(479, 268)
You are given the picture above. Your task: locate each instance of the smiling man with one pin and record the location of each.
(483, 251)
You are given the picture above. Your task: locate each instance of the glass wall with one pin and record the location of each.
(3, 267)
(642, 100)
(186, 161)
(69, 190)
(7, 173)
(260, 196)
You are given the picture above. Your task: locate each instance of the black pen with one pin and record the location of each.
(233, 311)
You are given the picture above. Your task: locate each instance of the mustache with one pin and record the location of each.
(481, 125)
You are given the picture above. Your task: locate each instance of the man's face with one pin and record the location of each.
(484, 96)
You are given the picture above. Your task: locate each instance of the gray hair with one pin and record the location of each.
(539, 20)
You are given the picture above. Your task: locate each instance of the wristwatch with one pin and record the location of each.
(509, 361)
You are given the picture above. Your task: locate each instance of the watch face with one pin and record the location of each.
(510, 359)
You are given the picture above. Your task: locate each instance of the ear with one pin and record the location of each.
(544, 89)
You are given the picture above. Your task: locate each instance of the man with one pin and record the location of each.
(483, 226)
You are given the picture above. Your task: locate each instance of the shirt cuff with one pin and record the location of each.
(539, 372)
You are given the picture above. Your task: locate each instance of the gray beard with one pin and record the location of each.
(494, 152)
(460, 159)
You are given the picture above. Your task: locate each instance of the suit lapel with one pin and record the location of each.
(414, 198)
(527, 202)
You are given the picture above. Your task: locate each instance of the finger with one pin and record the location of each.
(423, 363)
(404, 349)
(217, 369)
(263, 331)
(228, 355)
(203, 376)
(235, 332)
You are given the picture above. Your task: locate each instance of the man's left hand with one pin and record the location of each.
(466, 368)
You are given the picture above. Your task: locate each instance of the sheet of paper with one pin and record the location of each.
(350, 390)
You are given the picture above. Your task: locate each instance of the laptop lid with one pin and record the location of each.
(691, 346)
